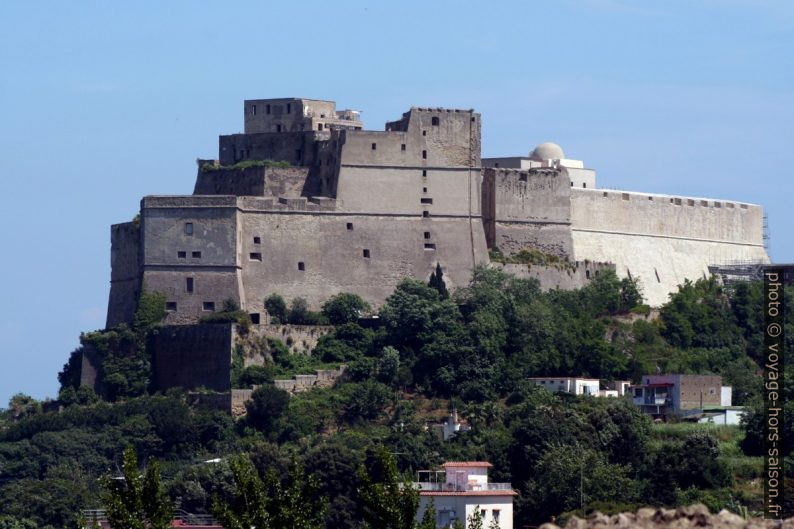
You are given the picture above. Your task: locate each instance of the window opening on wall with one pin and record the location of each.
(195, 255)
(434, 120)
(255, 256)
(181, 255)
(170, 306)
(189, 285)
(257, 240)
(301, 266)
(366, 253)
(208, 306)
(349, 225)
(254, 318)
(188, 228)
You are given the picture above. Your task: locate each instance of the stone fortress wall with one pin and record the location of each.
(358, 211)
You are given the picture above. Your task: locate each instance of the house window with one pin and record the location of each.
(181, 255)
(319, 126)
(257, 240)
(255, 256)
(424, 190)
(254, 318)
(301, 266)
(425, 214)
(170, 306)
(426, 200)
(424, 133)
(495, 511)
(587, 274)
(374, 146)
(483, 512)
(189, 285)
(402, 146)
(208, 306)
(434, 120)
(366, 253)
(195, 255)
(424, 155)
(427, 235)
(289, 108)
(188, 228)
(584, 185)
(278, 128)
(267, 109)
(424, 172)
(430, 246)
(253, 110)
(350, 226)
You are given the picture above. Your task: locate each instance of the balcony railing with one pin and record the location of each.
(462, 487)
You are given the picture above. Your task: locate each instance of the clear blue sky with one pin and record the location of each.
(104, 102)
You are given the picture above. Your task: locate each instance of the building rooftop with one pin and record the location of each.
(484, 464)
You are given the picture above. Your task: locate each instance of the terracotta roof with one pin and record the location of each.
(467, 464)
(468, 493)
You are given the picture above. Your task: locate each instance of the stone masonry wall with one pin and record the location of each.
(125, 273)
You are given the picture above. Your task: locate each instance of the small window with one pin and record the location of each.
(482, 513)
(426, 200)
(278, 128)
(319, 126)
(254, 318)
(402, 147)
(267, 109)
(374, 146)
(301, 266)
(253, 110)
(424, 155)
(587, 274)
(425, 214)
(181, 255)
(650, 198)
(255, 256)
(626, 196)
(571, 184)
(434, 120)
(350, 226)
(424, 190)
(366, 253)
(584, 185)
(424, 172)
(473, 119)
(188, 228)
(257, 240)
(427, 235)
(424, 133)
(298, 154)
(430, 246)
(208, 306)
(189, 285)
(170, 306)
(195, 255)
(289, 108)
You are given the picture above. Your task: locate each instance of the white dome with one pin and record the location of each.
(547, 151)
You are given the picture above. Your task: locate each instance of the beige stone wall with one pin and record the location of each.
(662, 239)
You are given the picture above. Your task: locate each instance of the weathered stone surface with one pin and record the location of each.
(690, 517)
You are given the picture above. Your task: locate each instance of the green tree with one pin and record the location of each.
(474, 521)
(437, 282)
(428, 517)
(388, 503)
(266, 407)
(277, 308)
(135, 503)
(344, 308)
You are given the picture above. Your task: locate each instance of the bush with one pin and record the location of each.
(277, 309)
(299, 314)
(344, 308)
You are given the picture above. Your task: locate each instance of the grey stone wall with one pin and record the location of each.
(564, 278)
(125, 273)
(254, 181)
(193, 356)
(527, 209)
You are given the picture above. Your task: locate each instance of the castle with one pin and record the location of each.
(354, 210)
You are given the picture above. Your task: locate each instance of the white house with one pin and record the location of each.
(464, 488)
(582, 386)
